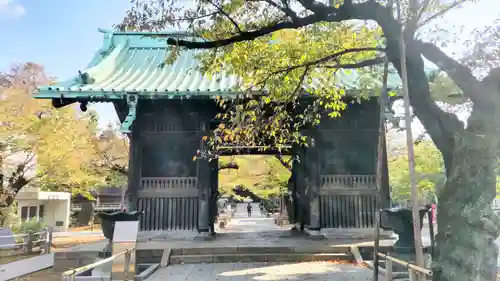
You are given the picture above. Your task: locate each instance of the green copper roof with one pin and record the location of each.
(132, 62)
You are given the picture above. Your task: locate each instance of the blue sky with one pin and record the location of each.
(59, 34)
(62, 34)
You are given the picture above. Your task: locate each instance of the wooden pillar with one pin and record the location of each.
(204, 191)
(313, 186)
(385, 192)
(204, 196)
(214, 185)
(134, 168)
(298, 195)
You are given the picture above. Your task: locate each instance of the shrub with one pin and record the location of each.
(32, 225)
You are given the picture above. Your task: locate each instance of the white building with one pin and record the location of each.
(51, 208)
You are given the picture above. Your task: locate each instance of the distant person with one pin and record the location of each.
(249, 209)
(261, 207)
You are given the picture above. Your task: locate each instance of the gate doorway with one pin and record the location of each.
(251, 190)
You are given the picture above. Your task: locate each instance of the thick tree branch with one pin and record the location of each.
(329, 58)
(318, 63)
(317, 7)
(459, 73)
(230, 165)
(360, 64)
(244, 36)
(287, 10)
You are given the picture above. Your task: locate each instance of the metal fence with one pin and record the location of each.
(415, 273)
(71, 274)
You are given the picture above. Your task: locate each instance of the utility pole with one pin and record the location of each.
(411, 153)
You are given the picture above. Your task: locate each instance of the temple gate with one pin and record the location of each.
(167, 109)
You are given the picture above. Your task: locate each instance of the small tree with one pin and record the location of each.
(38, 144)
(429, 169)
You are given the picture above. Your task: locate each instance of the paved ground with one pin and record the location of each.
(242, 230)
(242, 223)
(261, 230)
(263, 271)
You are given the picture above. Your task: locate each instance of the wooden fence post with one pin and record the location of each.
(127, 265)
(388, 269)
(51, 233)
(412, 275)
(47, 243)
(29, 242)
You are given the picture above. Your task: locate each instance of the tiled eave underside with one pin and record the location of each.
(110, 96)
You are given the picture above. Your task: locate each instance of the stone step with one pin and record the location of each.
(263, 257)
(258, 250)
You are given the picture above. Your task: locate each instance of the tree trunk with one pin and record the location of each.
(467, 226)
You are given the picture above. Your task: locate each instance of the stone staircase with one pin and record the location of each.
(257, 254)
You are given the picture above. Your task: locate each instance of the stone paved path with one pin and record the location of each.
(262, 230)
(311, 271)
(256, 223)
(257, 230)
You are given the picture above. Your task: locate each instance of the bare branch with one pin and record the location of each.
(416, 15)
(301, 80)
(440, 13)
(114, 167)
(285, 8)
(196, 17)
(221, 10)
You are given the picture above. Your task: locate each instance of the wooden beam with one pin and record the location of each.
(167, 192)
(348, 191)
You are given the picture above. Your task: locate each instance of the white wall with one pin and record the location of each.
(57, 210)
(54, 210)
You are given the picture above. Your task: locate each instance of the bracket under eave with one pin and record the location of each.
(132, 101)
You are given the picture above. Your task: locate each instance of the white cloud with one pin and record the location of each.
(11, 10)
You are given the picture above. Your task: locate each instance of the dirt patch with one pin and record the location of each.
(95, 228)
(68, 242)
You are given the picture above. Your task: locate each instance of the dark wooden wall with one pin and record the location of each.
(166, 180)
(348, 161)
(333, 184)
